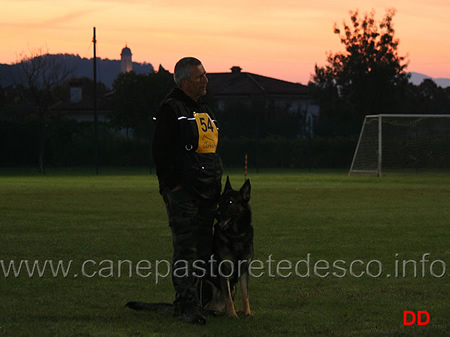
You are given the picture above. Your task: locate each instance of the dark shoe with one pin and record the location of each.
(192, 314)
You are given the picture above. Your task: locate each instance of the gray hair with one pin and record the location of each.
(183, 69)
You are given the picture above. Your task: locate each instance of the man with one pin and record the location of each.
(189, 172)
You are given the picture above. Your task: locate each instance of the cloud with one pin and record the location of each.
(66, 18)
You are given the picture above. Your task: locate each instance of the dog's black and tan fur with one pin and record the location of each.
(233, 252)
(233, 242)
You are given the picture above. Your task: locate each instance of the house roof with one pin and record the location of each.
(242, 83)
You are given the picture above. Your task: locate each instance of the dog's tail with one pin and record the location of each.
(158, 307)
(164, 307)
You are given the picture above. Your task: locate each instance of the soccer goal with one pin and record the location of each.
(402, 142)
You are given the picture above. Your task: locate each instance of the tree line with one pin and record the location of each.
(368, 77)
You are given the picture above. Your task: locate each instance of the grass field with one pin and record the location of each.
(338, 255)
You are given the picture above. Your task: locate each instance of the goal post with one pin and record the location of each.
(402, 142)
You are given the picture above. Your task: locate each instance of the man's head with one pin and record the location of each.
(190, 76)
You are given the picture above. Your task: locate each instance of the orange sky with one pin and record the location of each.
(278, 38)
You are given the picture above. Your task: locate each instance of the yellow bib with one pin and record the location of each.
(208, 136)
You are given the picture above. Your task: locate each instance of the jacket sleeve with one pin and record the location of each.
(164, 147)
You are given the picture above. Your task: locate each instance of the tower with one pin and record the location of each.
(126, 65)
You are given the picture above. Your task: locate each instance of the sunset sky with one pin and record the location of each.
(277, 38)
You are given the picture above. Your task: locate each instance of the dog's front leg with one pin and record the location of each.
(229, 303)
(244, 292)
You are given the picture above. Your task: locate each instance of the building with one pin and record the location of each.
(276, 98)
(126, 64)
(274, 106)
(79, 105)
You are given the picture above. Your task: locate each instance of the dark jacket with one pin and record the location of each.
(175, 144)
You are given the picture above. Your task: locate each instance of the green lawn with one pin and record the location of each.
(331, 252)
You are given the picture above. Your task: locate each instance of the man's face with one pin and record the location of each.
(195, 86)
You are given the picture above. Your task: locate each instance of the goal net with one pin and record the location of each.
(402, 142)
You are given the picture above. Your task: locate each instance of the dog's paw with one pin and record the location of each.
(246, 313)
(233, 314)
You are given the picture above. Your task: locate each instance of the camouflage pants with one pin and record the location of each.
(191, 221)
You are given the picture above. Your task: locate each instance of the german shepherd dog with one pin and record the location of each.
(232, 252)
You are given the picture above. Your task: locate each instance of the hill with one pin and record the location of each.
(417, 78)
(107, 70)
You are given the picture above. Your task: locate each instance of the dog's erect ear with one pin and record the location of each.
(246, 190)
(228, 185)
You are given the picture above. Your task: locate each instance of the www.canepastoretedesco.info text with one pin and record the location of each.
(425, 266)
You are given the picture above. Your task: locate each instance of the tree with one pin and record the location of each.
(427, 98)
(42, 72)
(137, 98)
(367, 78)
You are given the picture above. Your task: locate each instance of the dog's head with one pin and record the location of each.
(233, 205)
